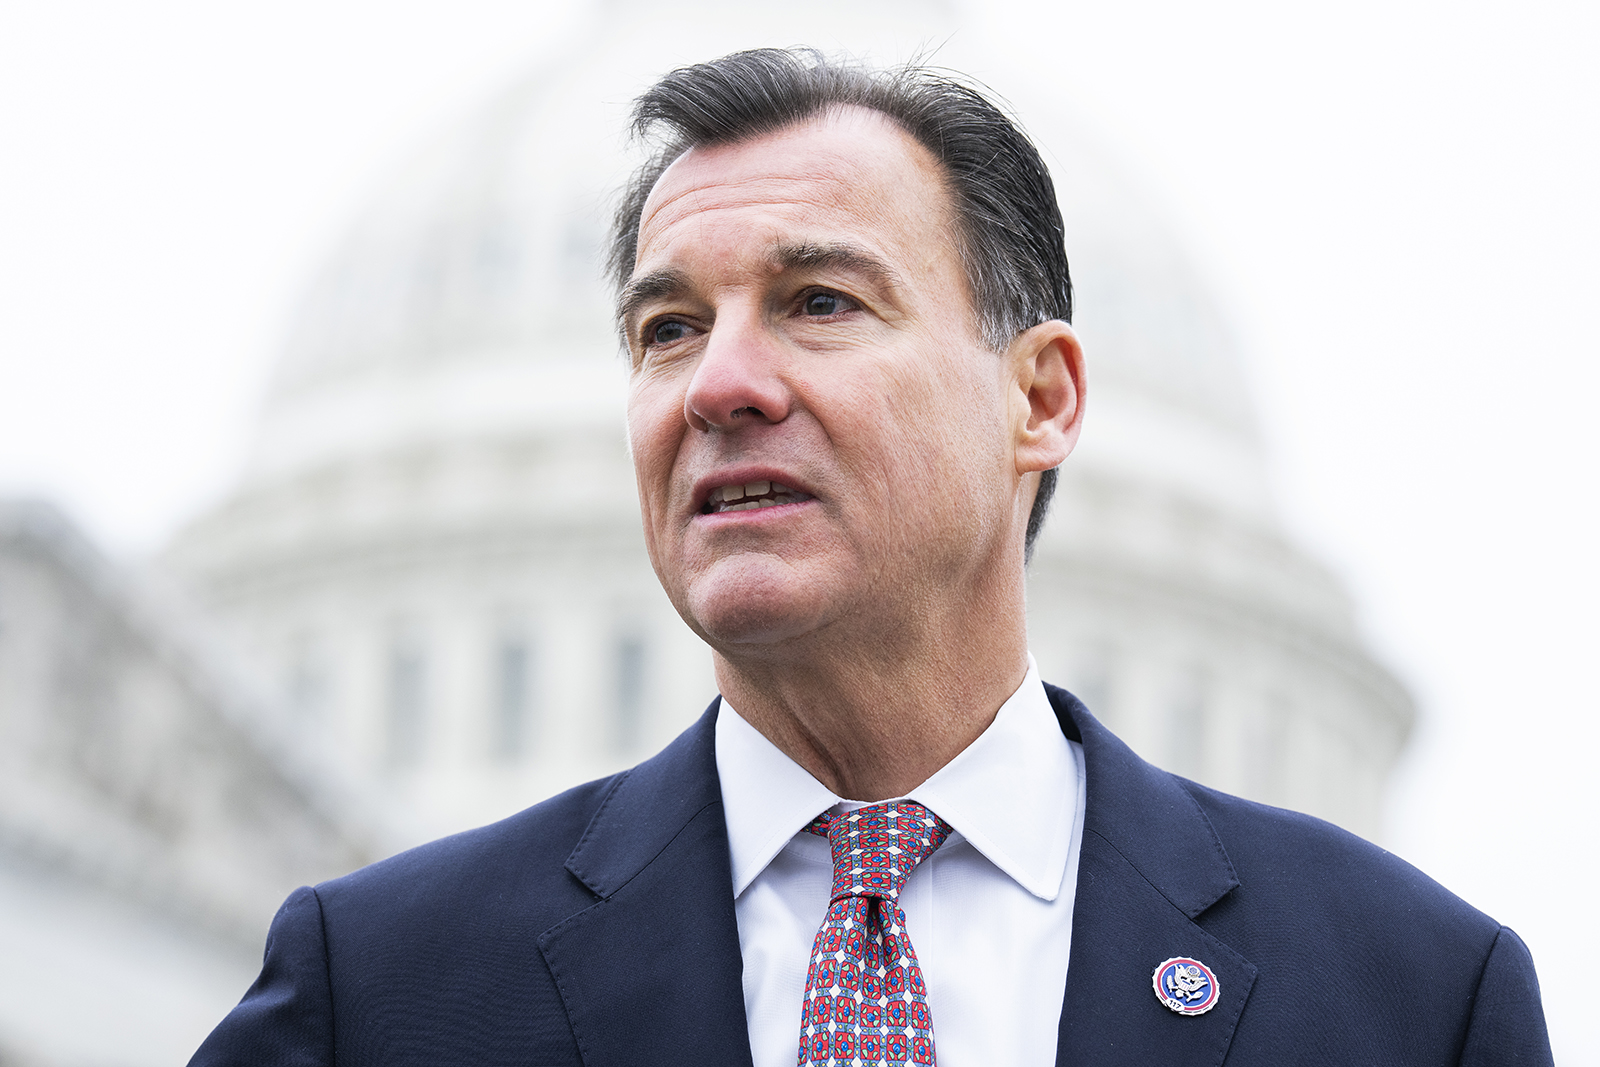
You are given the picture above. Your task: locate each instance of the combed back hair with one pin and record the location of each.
(1008, 226)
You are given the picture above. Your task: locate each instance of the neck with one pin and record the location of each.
(874, 719)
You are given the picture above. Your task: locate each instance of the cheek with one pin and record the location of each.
(951, 412)
(951, 438)
(905, 447)
(654, 429)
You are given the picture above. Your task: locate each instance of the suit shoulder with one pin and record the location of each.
(513, 870)
(1306, 864)
(518, 854)
(1418, 971)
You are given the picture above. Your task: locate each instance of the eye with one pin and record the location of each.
(823, 304)
(665, 333)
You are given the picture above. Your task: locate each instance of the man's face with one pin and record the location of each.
(822, 443)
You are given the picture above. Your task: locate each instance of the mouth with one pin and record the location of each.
(750, 496)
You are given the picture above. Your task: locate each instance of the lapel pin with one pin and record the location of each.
(1186, 986)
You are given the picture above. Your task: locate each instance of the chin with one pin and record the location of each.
(752, 607)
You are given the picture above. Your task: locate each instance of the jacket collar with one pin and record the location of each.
(1147, 815)
(1151, 865)
(654, 963)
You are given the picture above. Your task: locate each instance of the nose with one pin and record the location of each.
(738, 381)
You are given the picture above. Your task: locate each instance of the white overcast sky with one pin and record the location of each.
(1397, 201)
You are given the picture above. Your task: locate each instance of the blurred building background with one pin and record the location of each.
(435, 555)
(148, 817)
(424, 602)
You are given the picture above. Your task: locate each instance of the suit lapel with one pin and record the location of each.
(1151, 865)
(652, 971)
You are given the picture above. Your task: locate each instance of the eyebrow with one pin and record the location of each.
(834, 256)
(657, 285)
(784, 257)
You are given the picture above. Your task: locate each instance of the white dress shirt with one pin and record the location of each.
(989, 913)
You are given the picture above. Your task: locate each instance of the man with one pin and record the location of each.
(846, 302)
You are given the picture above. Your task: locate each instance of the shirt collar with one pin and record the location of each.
(1012, 793)
(767, 797)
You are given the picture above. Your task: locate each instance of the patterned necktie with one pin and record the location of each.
(865, 1000)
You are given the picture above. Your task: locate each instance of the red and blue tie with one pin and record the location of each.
(866, 1002)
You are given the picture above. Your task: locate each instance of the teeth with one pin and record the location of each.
(751, 495)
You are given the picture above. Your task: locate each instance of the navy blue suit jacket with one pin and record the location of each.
(598, 929)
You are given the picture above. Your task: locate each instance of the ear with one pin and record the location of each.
(1047, 393)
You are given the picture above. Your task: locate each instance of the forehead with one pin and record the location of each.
(852, 169)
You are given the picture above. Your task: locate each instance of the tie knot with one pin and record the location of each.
(876, 848)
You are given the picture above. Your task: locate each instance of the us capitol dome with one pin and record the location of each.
(434, 553)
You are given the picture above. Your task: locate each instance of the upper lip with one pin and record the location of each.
(744, 476)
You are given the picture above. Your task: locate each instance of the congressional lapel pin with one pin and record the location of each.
(1186, 986)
